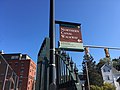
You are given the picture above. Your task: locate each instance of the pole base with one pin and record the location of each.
(52, 86)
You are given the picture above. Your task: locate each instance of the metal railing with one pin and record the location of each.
(67, 72)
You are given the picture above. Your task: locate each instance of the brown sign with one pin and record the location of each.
(68, 34)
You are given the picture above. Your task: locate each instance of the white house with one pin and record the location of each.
(110, 75)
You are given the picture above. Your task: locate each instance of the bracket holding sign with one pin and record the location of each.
(70, 36)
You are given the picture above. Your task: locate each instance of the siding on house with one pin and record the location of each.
(110, 75)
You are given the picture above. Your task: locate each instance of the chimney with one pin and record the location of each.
(1, 52)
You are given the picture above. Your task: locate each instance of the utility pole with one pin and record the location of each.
(52, 69)
(87, 55)
(88, 82)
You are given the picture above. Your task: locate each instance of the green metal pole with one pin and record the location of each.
(52, 73)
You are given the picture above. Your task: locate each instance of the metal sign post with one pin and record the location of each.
(52, 75)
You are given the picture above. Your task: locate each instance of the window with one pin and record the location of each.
(21, 76)
(29, 82)
(10, 63)
(14, 57)
(16, 63)
(34, 73)
(2, 74)
(22, 64)
(20, 82)
(1, 85)
(22, 70)
(108, 78)
(104, 70)
(23, 58)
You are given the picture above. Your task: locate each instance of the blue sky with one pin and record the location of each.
(25, 23)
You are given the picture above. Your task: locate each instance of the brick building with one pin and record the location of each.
(24, 67)
(8, 78)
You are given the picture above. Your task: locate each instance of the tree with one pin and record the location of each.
(94, 77)
(116, 63)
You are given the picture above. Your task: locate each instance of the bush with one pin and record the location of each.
(106, 86)
(93, 87)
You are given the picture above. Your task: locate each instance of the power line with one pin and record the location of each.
(94, 46)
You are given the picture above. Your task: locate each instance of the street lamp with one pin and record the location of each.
(52, 74)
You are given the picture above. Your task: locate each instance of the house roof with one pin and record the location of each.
(106, 65)
(114, 71)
